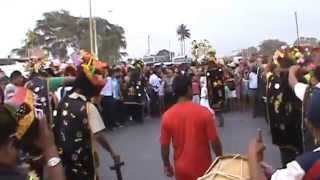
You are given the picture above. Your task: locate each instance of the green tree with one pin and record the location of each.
(59, 30)
(268, 47)
(183, 33)
(248, 52)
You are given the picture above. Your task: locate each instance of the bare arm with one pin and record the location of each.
(292, 76)
(45, 141)
(68, 81)
(255, 156)
(165, 154)
(217, 147)
(256, 172)
(56, 172)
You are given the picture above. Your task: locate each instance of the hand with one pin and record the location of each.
(116, 158)
(45, 139)
(168, 170)
(256, 148)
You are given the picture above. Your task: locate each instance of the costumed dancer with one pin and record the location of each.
(284, 109)
(134, 96)
(44, 86)
(215, 86)
(41, 87)
(77, 123)
(22, 129)
(304, 89)
(305, 166)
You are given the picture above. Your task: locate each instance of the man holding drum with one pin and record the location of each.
(191, 129)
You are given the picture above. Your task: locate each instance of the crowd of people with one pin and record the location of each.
(57, 113)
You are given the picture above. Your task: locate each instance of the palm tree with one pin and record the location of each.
(183, 34)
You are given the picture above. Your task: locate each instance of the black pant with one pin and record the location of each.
(154, 103)
(220, 118)
(108, 111)
(119, 111)
(169, 100)
(136, 111)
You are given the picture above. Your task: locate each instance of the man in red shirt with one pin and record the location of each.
(190, 127)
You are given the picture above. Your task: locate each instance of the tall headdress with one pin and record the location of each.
(92, 68)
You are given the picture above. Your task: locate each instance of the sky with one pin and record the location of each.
(228, 24)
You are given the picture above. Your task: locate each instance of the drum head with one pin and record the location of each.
(232, 167)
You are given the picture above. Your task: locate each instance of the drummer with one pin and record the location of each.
(306, 166)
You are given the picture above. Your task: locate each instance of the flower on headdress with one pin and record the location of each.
(278, 55)
(93, 68)
(301, 61)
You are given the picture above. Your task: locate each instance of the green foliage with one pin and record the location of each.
(268, 47)
(59, 30)
(183, 33)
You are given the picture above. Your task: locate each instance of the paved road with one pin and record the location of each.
(139, 146)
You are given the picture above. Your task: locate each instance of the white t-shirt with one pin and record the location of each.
(300, 90)
(203, 81)
(161, 88)
(155, 81)
(293, 171)
(253, 80)
(107, 89)
(9, 91)
(204, 93)
(59, 91)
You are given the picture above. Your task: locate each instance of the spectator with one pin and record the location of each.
(61, 92)
(161, 93)
(116, 92)
(154, 82)
(16, 80)
(107, 102)
(195, 89)
(253, 85)
(169, 98)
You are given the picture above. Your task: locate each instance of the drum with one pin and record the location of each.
(230, 167)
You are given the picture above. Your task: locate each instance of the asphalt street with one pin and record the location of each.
(139, 146)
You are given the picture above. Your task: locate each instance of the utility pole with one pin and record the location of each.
(297, 28)
(170, 54)
(91, 29)
(95, 37)
(149, 49)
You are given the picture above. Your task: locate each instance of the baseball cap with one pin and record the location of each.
(313, 110)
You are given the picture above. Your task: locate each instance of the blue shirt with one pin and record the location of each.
(115, 88)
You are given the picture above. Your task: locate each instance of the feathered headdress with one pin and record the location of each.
(23, 103)
(291, 56)
(92, 68)
(139, 64)
(38, 61)
(212, 55)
